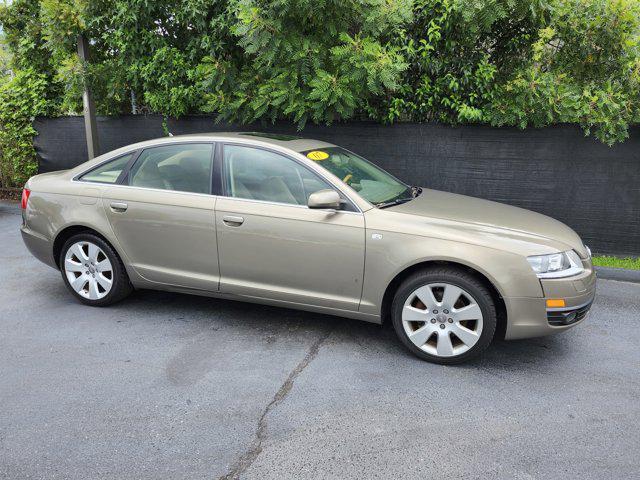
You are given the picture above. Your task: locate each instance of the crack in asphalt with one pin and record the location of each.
(245, 461)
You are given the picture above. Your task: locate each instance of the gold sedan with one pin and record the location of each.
(309, 225)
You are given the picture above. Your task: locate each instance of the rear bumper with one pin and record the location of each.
(530, 317)
(39, 246)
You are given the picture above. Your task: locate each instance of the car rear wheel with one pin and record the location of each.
(93, 271)
(444, 315)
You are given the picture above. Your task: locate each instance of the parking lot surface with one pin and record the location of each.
(175, 386)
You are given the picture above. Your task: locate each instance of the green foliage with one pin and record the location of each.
(62, 21)
(27, 91)
(459, 50)
(5, 58)
(525, 63)
(320, 60)
(21, 100)
(167, 80)
(154, 48)
(585, 69)
(630, 263)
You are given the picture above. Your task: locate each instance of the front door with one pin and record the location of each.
(271, 245)
(163, 217)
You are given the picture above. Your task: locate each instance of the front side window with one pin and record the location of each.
(259, 174)
(108, 172)
(183, 168)
(371, 182)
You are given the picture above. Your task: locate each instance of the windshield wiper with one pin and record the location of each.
(398, 201)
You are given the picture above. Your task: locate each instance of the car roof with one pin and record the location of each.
(292, 142)
(288, 142)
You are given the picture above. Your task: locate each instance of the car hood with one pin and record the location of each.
(492, 215)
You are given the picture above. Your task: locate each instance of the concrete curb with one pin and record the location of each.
(620, 274)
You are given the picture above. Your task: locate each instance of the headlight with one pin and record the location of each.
(556, 265)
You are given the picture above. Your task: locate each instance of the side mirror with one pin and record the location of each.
(324, 199)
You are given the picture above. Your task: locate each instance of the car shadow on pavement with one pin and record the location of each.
(271, 323)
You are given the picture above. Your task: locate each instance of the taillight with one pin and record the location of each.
(25, 198)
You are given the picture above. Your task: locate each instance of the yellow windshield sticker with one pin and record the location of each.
(317, 155)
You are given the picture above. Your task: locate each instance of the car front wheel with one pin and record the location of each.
(444, 315)
(92, 270)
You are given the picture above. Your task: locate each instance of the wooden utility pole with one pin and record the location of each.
(90, 126)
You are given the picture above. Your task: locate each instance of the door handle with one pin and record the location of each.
(119, 206)
(232, 220)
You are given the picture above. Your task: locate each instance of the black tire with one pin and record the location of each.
(121, 286)
(452, 276)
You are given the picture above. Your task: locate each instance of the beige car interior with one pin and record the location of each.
(262, 175)
(185, 170)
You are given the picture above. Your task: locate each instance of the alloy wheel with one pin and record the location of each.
(442, 319)
(88, 270)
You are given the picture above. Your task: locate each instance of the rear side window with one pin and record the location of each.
(108, 172)
(183, 168)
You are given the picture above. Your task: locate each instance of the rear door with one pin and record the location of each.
(163, 215)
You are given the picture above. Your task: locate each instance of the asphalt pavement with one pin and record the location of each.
(175, 386)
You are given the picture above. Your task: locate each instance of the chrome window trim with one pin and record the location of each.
(134, 155)
(267, 202)
(181, 192)
(288, 153)
(136, 152)
(209, 195)
(134, 159)
(299, 162)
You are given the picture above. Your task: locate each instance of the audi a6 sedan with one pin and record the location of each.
(309, 225)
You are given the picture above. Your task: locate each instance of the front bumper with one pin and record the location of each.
(529, 317)
(562, 317)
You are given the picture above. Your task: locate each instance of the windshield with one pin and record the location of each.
(371, 182)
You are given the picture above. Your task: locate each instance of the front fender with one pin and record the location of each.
(394, 253)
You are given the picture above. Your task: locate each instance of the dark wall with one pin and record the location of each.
(593, 188)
